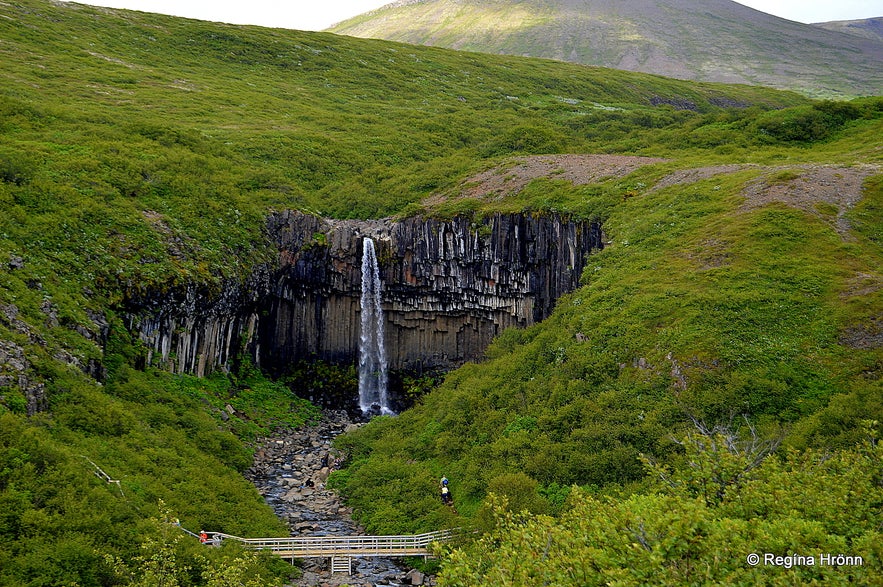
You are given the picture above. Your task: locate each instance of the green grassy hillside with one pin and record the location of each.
(740, 300)
(703, 306)
(710, 40)
(141, 152)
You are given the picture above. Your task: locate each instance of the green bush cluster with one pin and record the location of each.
(791, 512)
(814, 122)
(163, 439)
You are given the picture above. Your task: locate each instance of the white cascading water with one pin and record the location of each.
(372, 354)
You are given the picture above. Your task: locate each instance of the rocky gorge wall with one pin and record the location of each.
(449, 287)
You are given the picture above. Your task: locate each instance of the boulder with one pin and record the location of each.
(414, 577)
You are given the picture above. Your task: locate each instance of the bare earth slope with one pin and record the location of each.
(806, 187)
(709, 40)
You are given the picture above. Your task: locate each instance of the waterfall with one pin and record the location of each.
(372, 354)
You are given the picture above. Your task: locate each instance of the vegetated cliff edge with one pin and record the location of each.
(449, 286)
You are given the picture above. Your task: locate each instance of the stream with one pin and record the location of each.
(290, 472)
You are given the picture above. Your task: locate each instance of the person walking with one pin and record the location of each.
(446, 497)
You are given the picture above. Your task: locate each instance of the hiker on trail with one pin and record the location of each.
(203, 537)
(446, 496)
(445, 492)
(324, 460)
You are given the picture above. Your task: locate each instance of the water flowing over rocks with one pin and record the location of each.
(290, 470)
(449, 287)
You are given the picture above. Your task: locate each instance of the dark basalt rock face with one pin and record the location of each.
(449, 287)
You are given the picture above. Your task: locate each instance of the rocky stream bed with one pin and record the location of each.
(290, 470)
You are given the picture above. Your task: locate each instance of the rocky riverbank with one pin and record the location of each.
(290, 470)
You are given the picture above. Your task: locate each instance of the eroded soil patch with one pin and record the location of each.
(692, 175)
(827, 192)
(511, 178)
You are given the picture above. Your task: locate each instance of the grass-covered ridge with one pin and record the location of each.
(142, 152)
(710, 40)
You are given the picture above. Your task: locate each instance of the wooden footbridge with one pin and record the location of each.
(341, 549)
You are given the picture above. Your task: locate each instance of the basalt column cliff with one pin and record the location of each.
(448, 287)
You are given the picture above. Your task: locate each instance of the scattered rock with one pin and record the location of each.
(283, 468)
(864, 336)
(679, 380)
(309, 579)
(678, 103)
(305, 526)
(414, 577)
(51, 312)
(15, 371)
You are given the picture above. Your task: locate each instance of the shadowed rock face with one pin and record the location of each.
(449, 287)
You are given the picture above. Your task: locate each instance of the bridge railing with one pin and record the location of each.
(320, 546)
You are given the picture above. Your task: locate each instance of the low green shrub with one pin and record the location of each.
(780, 520)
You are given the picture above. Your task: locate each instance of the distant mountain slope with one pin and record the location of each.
(711, 40)
(870, 28)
